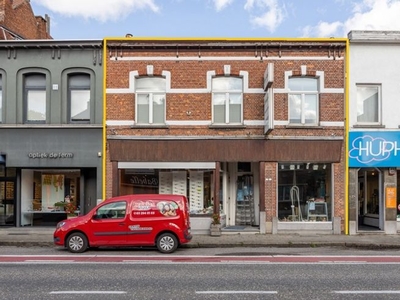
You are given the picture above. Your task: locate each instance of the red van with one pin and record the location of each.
(131, 220)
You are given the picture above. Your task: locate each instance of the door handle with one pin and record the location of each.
(121, 224)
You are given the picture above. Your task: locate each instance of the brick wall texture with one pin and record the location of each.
(18, 19)
(191, 74)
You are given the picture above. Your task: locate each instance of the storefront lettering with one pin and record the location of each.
(374, 149)
(44, 155)
(143, 180)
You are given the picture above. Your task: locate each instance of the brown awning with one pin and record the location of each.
(225, 150)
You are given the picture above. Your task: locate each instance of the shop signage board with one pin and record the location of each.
(374, 149)
(391, 197)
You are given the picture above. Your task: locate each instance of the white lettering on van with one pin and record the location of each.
(144, 205)
(143, 213)
(138, 228)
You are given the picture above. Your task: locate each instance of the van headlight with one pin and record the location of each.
(60, 224)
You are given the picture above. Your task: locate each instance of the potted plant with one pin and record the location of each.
(70, 209)
(60, 205)
(215, 227)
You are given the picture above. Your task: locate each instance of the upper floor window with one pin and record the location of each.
(1, 98)
(227, 99)
(368, 104)
(303, 101)
(79, 97)
(35, 98)
(150, 100)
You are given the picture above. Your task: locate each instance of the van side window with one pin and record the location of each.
(115, 210)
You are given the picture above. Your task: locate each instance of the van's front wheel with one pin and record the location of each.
(77, 243)
(167, 243)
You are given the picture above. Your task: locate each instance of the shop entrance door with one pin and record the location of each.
(245, 210)
(370, 200)
(7, 202)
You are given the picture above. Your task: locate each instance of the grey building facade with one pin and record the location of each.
(51, 116)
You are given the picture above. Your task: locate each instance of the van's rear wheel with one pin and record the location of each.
(167, 243)
(77, 242)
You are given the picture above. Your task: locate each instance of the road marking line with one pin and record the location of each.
(48, 260)
(366, 292)
(87, 292)
(236, 292)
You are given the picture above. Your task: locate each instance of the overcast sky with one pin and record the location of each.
(97, 19)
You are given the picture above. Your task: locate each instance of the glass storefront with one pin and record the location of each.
(304, 192)
(7, 195)
(196, 185)
(47, 193)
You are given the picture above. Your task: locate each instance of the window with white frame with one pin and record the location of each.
(368, 104)
(150, 100)
(227, 99)
(303, 100)
(79, 97)
(35, 98)
(1, 98)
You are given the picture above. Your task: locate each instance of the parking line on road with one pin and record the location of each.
(236, 292)
(87, 292)
(367, 292)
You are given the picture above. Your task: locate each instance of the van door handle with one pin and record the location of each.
(121, 224)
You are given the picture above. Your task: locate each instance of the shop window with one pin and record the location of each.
(368, 104)
(79, 97)
(48, 195)
(150, 100)
(1, 98)
(304, 191)
(196, 185)
(303, 101)
(227, 100)
(35, 98)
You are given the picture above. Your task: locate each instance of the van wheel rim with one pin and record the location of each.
(167, 243)
(76, 243)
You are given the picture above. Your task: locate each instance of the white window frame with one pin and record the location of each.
(78, 90)
(35, 93)
(152, 97)
(302, 94)
(378, 87)
(227, 92)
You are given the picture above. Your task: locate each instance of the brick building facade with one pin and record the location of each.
(18, 22)
(252, 129)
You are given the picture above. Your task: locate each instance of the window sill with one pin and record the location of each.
(227, 126)
(369, 126)
(299, 126)
(149, 126)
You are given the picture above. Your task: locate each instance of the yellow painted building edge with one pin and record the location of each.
(104, 157)
(346, 138)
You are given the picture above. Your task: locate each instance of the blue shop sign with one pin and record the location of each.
(374, 149)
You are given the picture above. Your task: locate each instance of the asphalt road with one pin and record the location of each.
(230, 280)
(240, 251)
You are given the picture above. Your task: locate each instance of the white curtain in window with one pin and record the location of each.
(368, 104)
(36, 105)
(80, 105)
(150, 100)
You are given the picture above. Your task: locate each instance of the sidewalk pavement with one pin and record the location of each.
(43, 236)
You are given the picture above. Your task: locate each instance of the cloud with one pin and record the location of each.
(99, 10)
(270, 13)
(365, 15)
(221, 4)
